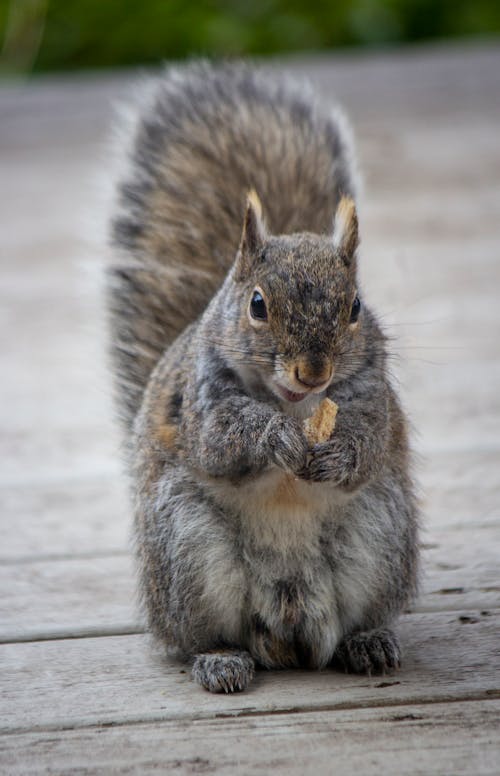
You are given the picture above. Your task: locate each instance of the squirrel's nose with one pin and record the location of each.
(312, 375)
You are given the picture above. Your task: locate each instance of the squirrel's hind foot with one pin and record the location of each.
(369, 652)
(225, 671)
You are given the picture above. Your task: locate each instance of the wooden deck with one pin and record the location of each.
(82, 688)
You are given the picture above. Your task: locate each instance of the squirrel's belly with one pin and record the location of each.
(292, 617)
(291, 603)
(278, 509)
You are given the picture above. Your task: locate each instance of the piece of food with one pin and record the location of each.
(319, 427)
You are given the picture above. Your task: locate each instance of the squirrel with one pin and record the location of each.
(230, 323)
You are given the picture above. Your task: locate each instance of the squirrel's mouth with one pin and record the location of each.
(295, 396)
(290, 395)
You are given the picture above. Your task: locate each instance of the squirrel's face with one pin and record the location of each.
(300, 312)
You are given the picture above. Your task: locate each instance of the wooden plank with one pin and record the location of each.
(80, 682)
(429, 169)
(78, 596)
(74, 517)
(450, 495)
(67, 598)
(423, 84)
(418, 88)
(458, 738)
(452, 420)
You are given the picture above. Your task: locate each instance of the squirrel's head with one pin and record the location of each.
(297, 303)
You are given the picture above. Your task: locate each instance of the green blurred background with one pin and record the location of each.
(45, 35)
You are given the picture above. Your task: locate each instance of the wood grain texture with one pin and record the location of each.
(119, 679)
(64, 597)
(440, 739)
(67, 518)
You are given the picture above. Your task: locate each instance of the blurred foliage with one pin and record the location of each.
(42, 35)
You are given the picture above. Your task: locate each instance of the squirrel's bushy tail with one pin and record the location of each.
(208, 135)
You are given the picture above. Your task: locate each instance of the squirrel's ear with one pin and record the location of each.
(254, 232)
(345, 230)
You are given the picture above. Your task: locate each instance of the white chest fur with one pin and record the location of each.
(279, 510)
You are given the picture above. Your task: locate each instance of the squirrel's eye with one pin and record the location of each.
(356, 307)
(258, 309)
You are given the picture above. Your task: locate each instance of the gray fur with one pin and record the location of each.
(206, 136)
(253, 546)
(224, 671)
(377, 651)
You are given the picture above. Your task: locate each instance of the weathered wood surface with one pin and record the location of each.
(439, 739)
(120, 679)
(81, 688)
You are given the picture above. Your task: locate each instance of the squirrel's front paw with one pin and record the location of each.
(287, 443)
(333, 461)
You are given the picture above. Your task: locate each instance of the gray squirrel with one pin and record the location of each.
(228, 327)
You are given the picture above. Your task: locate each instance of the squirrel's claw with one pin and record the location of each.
(329, 462)
(368, 652)
(224, 671)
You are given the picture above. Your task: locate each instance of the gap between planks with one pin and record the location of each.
(88, 682)
(63, 556)
(76, 598)
(458, 738)
(488, 696)
(67, 634)
(467, 614)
